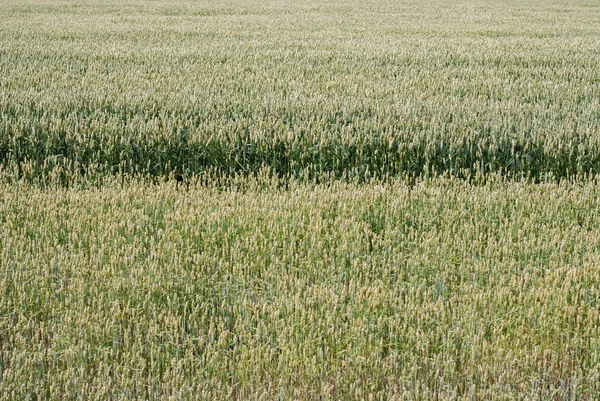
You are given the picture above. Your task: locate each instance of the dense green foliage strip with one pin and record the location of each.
(442, 290)
(359, 88)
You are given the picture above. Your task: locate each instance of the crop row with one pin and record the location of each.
(373, 89)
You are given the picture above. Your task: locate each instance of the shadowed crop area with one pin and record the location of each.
(441, 290)
(349, 88)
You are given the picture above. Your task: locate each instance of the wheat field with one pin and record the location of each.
(299, 200)
(348, 88)
(441, 290)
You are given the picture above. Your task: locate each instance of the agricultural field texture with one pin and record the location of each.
(313, 200)
(440, 290)
(349, 88)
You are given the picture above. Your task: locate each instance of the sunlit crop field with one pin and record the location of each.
(342, 291)
(351, 88)
(281, 200)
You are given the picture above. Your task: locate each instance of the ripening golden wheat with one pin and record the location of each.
(340, 291)
(318, 239)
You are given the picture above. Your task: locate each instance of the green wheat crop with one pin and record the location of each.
(441, 290)
(350, 88)
(299, 199)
